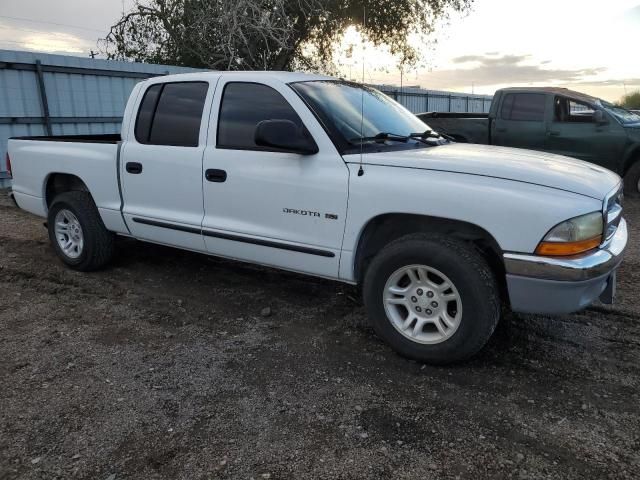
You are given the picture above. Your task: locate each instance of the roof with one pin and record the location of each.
(557, 91)
(285, 77)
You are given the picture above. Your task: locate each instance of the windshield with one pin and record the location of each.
(623, 115)
(341, 104)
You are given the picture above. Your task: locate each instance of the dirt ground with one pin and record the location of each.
(163, 366)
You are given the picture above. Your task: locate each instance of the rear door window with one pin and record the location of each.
(171, 114)
(524, 107)
(145, 113)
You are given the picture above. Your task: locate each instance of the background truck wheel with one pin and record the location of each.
(77, 233)
(433, 299)
(632, 180)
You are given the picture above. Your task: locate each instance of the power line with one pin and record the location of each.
(21, 19)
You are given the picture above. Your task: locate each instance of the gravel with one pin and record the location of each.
(165, 365)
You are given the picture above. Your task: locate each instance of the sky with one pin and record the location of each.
(586, 45)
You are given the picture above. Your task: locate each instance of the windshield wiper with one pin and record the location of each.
(382, 137)
(430, 134)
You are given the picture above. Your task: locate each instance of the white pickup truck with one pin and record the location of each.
(333, 179)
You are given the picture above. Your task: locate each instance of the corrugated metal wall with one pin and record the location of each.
(86, 96)
(419, 100)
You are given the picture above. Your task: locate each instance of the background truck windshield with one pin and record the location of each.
(341, 104)
(624, 116)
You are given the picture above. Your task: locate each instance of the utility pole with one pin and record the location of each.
(93, 54)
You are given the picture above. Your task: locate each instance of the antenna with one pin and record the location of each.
(364, 25)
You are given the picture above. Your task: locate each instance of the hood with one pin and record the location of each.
(549, 170)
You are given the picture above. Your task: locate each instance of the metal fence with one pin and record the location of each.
(43, 94)
(419, 100)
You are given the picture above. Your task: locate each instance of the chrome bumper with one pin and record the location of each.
(575, 268)
(554, 285)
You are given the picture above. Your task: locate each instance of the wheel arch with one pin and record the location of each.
(58, 182)
(386, 228)
(632, 157)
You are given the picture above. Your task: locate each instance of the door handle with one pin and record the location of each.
(553, 133)
(134, 168)
(215, 175)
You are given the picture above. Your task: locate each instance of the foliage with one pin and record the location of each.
(631, 101)
(267, 34)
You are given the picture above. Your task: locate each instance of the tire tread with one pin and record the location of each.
(471, 257)
(99, 242)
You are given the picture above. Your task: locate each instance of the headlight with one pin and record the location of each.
(574, 236)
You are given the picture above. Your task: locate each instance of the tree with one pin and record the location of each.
(267, 34)
(631, 101)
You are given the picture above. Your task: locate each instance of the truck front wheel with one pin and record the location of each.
(77, 233)
(431, 298)
(632, 180)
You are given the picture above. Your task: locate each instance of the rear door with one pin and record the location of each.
(161, 163)
(520, 121)
(267, 206)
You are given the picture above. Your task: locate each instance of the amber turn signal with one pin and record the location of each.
(562, 249)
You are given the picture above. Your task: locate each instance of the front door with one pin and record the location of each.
(265, 206)
(520, 121)
(574, 133)
(161, 164)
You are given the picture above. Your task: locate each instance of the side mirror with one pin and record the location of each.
(599, 117)
(286, 136)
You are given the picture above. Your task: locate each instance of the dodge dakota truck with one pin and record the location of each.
(334, 179)
(554, 120)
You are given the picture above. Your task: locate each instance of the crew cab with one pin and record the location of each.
(334, 179)
(555, 120)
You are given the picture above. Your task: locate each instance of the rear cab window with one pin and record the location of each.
(171, 114)
(523, 107)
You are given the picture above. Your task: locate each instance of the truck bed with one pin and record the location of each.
(93, 159)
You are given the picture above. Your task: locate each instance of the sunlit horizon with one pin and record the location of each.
(498, 43)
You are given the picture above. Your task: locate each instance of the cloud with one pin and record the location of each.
(633, 14)
(49, 41)
(491, 59)
(487, 70)
(614, 82)
(54, 42)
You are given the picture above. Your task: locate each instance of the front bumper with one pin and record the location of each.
(557, 285)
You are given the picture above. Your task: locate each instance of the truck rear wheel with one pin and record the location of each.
(632, 180)
(432, 299)
(77, 233)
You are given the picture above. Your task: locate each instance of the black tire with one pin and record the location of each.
(631, 180)
(99, 243)
(469, 272)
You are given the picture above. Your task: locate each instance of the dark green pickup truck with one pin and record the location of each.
(554, 120)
